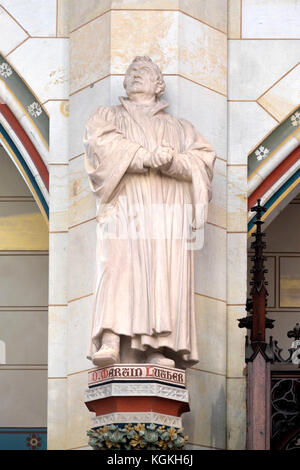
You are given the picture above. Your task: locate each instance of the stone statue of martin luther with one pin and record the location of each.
(138, 155)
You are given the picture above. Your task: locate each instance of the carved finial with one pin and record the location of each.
(295, 333)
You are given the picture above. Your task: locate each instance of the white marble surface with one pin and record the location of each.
(205, 424)
(254, 66)
(11, 31)
(248, 125)
(82, 202)
(234, 19)
(79, 417)
(212, 12)
(205, 109)
(211, 259)
(58, 137)
(218, 207)
(57, 344)
(236, 414)
(57, 414)
(59, 197)
(58, 263)
(236, 268)
(90, 53)
(36, 17)
(79, 325)
(211, 334)
(236, 366)
(153, 33)
(23, 273)
(271, 19)
(43, 63)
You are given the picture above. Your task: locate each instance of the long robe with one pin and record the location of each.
(144, 286)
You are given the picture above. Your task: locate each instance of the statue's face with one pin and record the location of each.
(140, 79)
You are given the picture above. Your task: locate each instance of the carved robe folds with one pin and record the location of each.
(145, 285)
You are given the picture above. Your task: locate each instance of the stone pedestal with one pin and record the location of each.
(143, 400)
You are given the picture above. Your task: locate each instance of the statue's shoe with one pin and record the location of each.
(160, 359)
(106, 356)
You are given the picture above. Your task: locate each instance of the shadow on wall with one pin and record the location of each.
(218, 421)
(205, 424)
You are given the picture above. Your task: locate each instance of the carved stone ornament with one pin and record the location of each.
(151, 174)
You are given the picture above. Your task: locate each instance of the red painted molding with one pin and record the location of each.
(26, 142)
(126, 404)
(273, 177)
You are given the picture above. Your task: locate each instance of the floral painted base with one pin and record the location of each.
(137, 436)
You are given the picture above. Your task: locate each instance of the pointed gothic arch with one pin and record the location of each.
(274, 169)
(24, 133)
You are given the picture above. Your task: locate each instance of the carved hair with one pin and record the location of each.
(159, 77)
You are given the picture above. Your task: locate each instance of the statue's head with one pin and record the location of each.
(144, 77)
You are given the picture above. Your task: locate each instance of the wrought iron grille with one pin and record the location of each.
(285, 411)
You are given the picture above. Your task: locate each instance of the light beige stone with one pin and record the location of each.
(83, 12)
(117, 309)
(254, 66)
(271, 19)
(57, 414)
(11, 31)
(28, 330)
(63, 16)
(12, 183)
(57, 347)
(283, 97)
(211, 259)
(78, 334)
(79, 417)
(37, 18)
(205, 424)
(217, 207)
(248, 124)
(145, 4)
(58, 137)
(234, 19)
(153, 33)
(90, 53)
(82, 202)
(236, 268)
(235, 342)
(211, 334)
(236, 414)
(212, 12)
(82, 260)
(58, 262)
(202, 54)
(284, 321)
(59, 197)
(23, 398)
(237, 198)
(52, 79)
(22, 226)
(82, 104)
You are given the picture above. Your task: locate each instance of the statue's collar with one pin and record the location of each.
(152, 110)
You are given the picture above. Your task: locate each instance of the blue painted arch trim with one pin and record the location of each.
(37, 193)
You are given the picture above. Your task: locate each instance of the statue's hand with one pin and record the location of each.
(162, 156)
